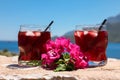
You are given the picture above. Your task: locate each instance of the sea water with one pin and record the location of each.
(113, 49)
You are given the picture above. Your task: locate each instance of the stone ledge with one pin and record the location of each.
(111, 71)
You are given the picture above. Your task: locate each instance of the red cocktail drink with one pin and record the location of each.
(31, 45)
(93, 44)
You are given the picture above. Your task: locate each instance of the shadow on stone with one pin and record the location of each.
(16, 66)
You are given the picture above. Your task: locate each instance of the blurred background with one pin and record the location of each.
(66, 15)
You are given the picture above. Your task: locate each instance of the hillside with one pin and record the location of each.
(113, 28)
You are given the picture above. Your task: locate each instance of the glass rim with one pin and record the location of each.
(33, 27)
(89, 27)
(30, 25)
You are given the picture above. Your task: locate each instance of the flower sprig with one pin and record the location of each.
(62, 55)
(64, 63)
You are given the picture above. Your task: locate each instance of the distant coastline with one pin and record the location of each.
(112, 51)
(8, 40)
(11, 46)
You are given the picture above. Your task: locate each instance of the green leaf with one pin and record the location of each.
(66, 56)
(60, 67)
(60, 61)
(64, 64)
(67, 60)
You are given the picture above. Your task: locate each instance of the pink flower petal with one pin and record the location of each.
(56, 48)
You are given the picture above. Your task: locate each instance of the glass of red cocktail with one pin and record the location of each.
(93, 43)
(31, 42)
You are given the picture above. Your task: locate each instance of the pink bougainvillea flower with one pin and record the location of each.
(62, 41)
(45, 60)
(50, 45)
(73, 48)
(80, 63)
(77, 57)
(61, 45)
(53, 55)
(48, 60)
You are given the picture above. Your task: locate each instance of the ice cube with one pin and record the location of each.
(85, 32)
(29, 33)
(37, 33)
(94, 33)
(78, 33)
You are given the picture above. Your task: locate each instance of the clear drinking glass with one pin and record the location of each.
(31, 41)
(93, 43)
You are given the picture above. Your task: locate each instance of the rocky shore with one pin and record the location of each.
(9, 70)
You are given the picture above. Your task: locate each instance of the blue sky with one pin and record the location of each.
(65, 13)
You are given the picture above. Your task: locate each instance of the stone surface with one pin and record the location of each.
(9, 70)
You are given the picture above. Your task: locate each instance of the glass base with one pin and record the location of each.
(97, 63)
(31, 63)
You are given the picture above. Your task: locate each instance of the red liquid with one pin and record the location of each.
(93, 44)
(31, 45)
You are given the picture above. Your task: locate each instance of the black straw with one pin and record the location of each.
(102, 24)
(48, 26)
